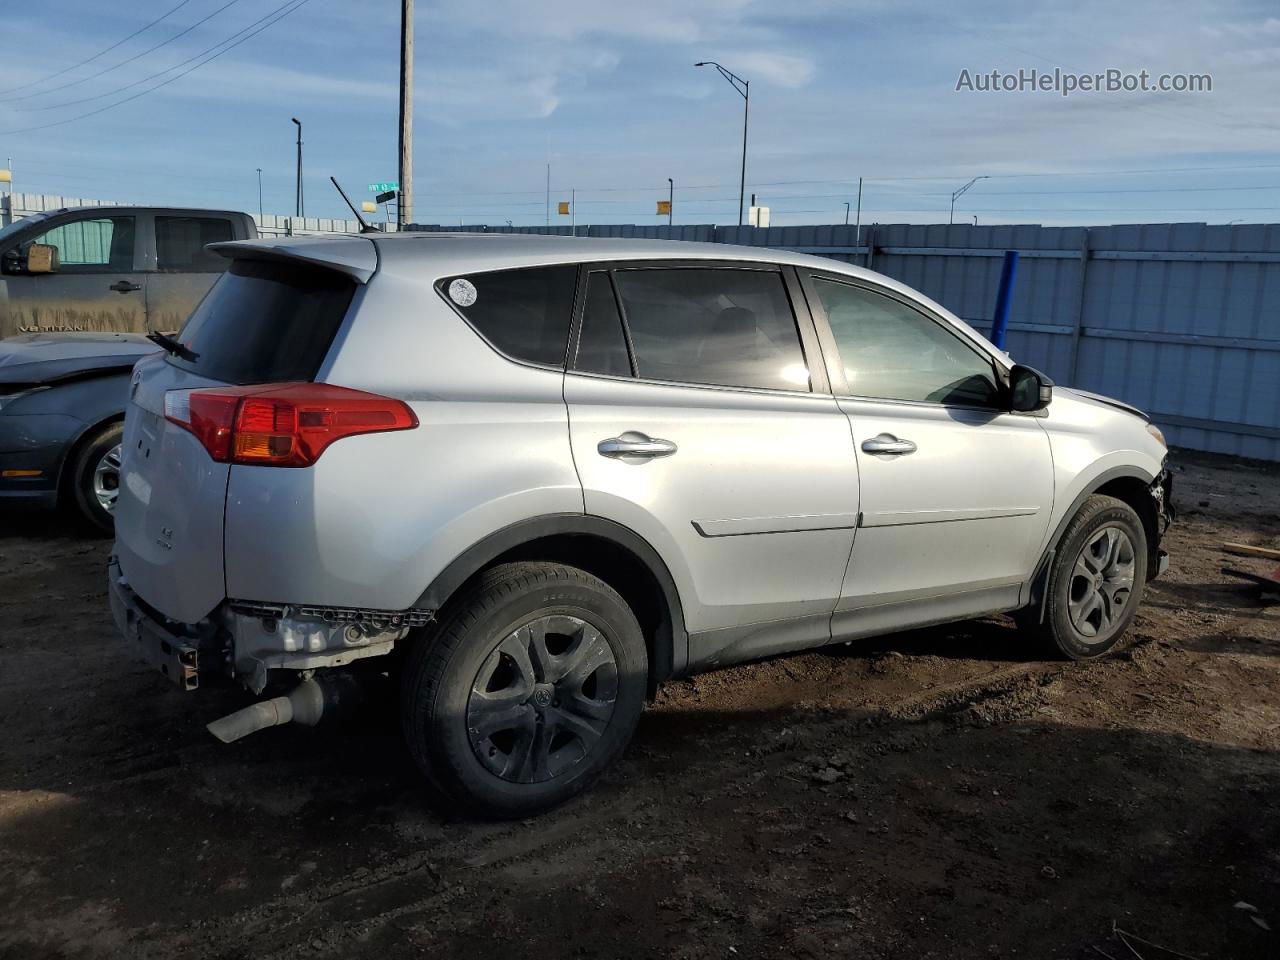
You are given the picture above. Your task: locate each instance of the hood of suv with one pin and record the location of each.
(1106, 401)
(39, 358)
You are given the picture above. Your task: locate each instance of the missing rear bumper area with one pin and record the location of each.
(243, 640)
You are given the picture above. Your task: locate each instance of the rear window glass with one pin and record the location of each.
(180, 243)
(266, 323)
(524, 313)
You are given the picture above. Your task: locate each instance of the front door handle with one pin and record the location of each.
(124, 286)
(888, 443)
(634, 444)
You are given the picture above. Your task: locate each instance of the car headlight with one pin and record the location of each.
(1158, 434)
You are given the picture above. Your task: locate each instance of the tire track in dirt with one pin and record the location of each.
(330, 918)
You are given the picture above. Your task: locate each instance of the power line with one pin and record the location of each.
(161, 73)
(65, 70)
(116, 66)
(292, 6)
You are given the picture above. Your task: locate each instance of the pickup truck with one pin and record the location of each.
(110, 269)
(78, 289)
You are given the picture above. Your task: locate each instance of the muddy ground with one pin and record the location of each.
(938, 794)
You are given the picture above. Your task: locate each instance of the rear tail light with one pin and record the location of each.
(281, 425)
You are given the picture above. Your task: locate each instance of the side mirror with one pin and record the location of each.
(41, 258)
(1029, 389)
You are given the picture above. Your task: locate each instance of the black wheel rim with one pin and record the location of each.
(542, 699)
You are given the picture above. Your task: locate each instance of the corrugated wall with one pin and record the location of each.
(1180, 319)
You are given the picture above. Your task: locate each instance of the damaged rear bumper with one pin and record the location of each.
(179, 651)
(244, 641)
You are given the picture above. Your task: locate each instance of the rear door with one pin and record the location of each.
(264, 322)
(184, 269)
(699, 418)
(956, 490)
(98, 284)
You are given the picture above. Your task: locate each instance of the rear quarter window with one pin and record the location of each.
(524, 313)
(265, 322)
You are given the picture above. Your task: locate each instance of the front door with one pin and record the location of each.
(97, 285)
(956, 490)
(695, 422)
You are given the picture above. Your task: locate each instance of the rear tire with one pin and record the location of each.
(95, 477)
(1095, 582)
(530, 687)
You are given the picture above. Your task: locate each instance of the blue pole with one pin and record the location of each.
(1008, 273)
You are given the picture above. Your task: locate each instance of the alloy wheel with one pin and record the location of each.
(106, 479)
(542, 699)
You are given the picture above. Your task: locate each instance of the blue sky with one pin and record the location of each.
(607, 93)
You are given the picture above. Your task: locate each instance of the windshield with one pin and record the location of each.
(18, 225)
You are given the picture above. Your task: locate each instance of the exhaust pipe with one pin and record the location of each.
(306, 703)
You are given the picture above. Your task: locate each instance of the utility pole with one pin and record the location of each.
(298, 206)
(846, 213)
(259, 196)
(406, 113)
(671, 201)
(548, 193)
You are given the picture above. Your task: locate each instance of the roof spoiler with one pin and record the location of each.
(354, 257)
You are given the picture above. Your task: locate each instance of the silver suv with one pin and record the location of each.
(531, 478)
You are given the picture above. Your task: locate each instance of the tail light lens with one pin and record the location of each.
(281, 425)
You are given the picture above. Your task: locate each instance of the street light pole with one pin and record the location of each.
(958, 193)
(298, 205)
(671, 201)
(744, 90)
(259, 196)
(846, 213)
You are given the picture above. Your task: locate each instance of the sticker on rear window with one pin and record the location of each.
(462, 292)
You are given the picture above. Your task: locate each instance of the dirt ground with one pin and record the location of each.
(937, 794)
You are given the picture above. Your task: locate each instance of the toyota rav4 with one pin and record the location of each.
(531, 478)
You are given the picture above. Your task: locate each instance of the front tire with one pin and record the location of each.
(1096, 580)
(95, 477)
(530, 687)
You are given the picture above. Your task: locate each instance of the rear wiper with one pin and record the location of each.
(172, 346)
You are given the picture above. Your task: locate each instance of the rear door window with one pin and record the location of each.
(523, 313)
(266, 322)
(721, 326)
(180, 243)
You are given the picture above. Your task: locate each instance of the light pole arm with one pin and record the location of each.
(735, 81)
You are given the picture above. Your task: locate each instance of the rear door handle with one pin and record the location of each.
(634, 444)
(124, 286)
(888, 443)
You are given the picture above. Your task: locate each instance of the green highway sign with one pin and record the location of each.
(383, 187)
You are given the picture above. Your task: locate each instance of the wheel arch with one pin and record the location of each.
(607, 549)
(71, 452)
(1129, 484)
